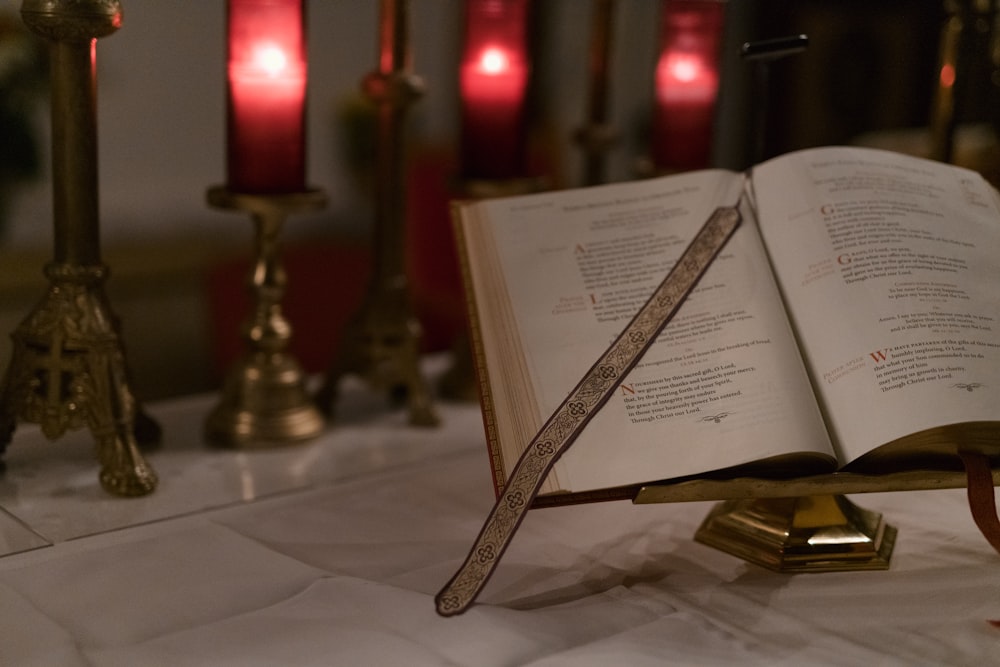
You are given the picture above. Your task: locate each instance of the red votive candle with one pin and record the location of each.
(687, 83)
(493, 82)
(266, 96)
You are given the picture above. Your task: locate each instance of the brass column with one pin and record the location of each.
(598, 136)
(382, 343)
(264, 401)
(68, 368)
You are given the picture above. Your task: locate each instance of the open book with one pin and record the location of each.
(851, 323)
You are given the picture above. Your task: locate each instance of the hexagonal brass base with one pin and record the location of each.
(807, 534)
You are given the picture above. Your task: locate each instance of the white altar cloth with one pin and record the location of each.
(338, 565)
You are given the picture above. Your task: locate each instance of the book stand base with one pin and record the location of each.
(826, 533)
(803, 524)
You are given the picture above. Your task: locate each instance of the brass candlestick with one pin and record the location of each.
(264, 400)
(598, 136)
(382, 342)
(67, 368)
(953, 58)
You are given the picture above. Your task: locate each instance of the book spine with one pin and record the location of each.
(497, 468)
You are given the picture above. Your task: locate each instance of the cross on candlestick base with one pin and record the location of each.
(68, 371)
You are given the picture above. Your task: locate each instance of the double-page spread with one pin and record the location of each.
(852, 320)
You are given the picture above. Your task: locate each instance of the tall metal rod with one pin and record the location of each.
(597, 136)
(74, 152)
(382, 342)
(965, 37)
(67, 368)
(391, 80)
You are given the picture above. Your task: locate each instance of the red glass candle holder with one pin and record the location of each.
(493, 83)
(687, 84)
(266, 96)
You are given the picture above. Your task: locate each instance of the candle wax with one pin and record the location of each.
(267, 94)
(493, 91)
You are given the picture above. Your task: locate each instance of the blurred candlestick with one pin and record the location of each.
(597, 136)
(687, 83)
(267, 94)
(493, 81)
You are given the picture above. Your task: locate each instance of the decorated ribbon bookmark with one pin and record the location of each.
(569, 419)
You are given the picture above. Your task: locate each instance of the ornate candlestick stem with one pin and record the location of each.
(74, 155)
(598, 136)
(68, 368)
(382, 343)
(264, 401)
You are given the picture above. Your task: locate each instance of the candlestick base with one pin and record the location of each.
(68, 371)
(264, 400)
(382, 345)
(264, 403)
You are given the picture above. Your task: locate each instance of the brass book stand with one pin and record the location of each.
(798, 525)
(805, 524)
(382, 342)
(68, 367)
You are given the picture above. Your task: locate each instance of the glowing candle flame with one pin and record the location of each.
(270, 59)
(684, 68)
(687, 83)
(494, 61)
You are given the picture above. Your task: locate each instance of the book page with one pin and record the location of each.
(722, 386)
(890, 266)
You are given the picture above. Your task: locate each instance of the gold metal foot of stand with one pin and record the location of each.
(801, 524)
(382, 344)
(826, 533)
(264, 400)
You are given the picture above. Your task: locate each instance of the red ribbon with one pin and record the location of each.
(982, 502)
